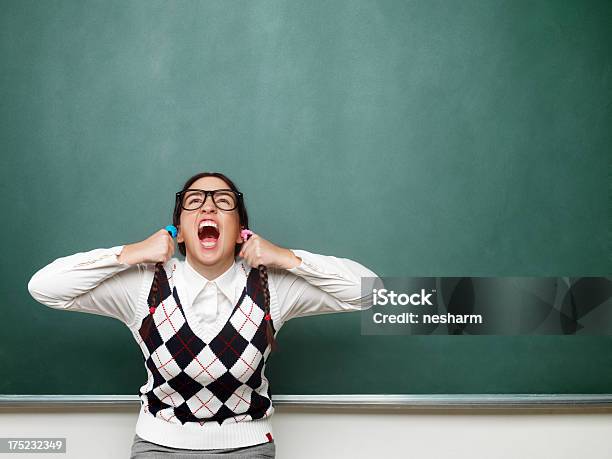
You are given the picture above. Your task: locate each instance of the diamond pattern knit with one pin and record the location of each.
(193, 381)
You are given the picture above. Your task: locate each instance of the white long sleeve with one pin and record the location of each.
(94, 282)
(322, 284)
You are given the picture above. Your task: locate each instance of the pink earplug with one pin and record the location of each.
(245, 233)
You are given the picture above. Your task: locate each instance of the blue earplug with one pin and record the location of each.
(172, 230)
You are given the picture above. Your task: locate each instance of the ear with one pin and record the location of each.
(179, 236)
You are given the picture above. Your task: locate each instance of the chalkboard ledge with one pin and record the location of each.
(429, 401)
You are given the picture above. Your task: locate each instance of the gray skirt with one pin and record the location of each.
(143, 449)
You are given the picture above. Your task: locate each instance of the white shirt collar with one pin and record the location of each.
(225, 282)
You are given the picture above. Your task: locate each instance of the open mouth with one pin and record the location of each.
(208, 233)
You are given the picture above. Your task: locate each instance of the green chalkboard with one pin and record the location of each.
(419, 138)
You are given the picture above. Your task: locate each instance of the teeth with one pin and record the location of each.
(208, 223)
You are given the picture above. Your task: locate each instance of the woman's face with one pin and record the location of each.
(203, 248)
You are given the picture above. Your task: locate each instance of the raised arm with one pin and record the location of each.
(322, 284)
(95, 282)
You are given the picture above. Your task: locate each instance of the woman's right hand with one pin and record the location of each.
(159, 247)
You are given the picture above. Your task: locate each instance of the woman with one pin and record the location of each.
(206, 325)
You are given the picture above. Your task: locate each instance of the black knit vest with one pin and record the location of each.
(190, 380)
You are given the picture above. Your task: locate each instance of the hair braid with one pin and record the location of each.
(263, 281)
(155, 287)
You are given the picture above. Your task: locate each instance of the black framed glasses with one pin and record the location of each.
(193, 199)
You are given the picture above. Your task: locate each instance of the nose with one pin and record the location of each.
(208, 205)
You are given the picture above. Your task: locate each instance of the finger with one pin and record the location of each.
(245, 246)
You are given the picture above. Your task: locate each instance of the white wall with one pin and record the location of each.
(107, 432)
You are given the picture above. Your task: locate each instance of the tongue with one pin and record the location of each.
(209, 239)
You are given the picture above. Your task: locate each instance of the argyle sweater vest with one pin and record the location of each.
(194, 383)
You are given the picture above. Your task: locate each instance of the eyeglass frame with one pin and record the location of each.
(212, 196)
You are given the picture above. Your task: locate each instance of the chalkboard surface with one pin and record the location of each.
(420, 138)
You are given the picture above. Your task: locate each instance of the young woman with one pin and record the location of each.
(206, 325)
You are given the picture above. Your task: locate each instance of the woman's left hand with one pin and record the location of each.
(258, 251)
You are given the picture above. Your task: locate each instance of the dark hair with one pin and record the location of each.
(243, 221)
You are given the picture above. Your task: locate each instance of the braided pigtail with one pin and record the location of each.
(159, 266)
(263, 284)
(263, 281)
(155, 288)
